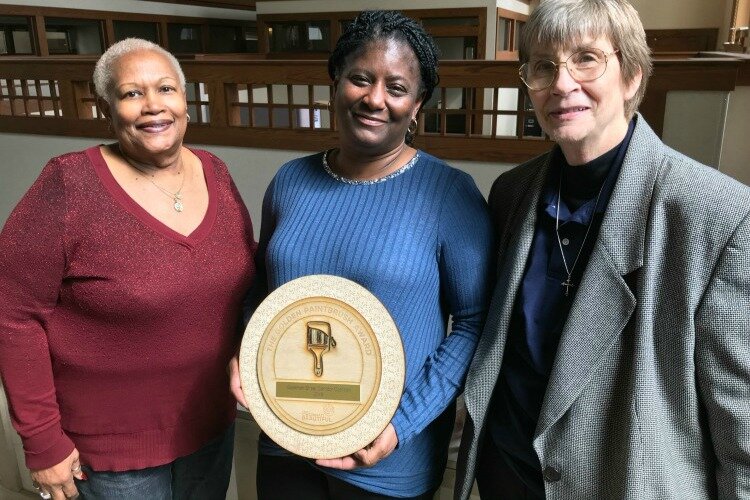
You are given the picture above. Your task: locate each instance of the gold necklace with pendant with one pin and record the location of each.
(176, 196)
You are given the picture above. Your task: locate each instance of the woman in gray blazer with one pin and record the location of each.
(615, 362)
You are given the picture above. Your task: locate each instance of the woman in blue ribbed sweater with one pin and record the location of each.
(403, 224)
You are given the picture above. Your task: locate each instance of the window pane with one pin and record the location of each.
(285, 37)
(311, 36)
(251, 38)
(503, 34)
(15, 35)
(59, 43)
(22, 42)
(136, 29)
(457, 47)
(14, 21)
(73, 36)
(319, 34)
(185, 38)
(226, 39)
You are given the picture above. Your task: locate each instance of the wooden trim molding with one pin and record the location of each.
(511, 14)
(219, 4)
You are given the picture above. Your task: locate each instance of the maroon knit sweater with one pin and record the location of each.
(115, 331)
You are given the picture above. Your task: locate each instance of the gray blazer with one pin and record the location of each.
(649, 395)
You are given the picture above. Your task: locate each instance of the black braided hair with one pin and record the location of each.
(375, 25)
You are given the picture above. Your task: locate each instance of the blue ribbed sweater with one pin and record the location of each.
(421, 242)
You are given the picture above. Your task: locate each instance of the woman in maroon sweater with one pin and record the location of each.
(122, 272)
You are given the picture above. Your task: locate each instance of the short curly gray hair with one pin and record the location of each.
(103, 74)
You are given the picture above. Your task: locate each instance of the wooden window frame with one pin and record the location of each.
(107, 18)
(504, 15)
(337, 18)
(31, 25)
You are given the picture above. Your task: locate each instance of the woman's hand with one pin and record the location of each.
(58, 479)
(234, 380)
(368, 456)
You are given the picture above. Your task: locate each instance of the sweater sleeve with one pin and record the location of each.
(32, 265)
(464, 257)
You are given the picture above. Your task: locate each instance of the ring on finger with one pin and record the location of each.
(44, 495)
(76, 470)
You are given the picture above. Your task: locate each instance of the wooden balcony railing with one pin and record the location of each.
(479, 111)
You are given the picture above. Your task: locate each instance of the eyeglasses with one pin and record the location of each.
(583, 66)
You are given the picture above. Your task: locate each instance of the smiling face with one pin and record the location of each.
(586, 119)
(377, 95)
(147, 106)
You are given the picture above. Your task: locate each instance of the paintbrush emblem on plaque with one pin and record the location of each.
(319, 342)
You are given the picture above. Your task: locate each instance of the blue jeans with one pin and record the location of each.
(203, 475)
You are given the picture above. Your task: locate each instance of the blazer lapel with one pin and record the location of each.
(604, 302)
(516, 234)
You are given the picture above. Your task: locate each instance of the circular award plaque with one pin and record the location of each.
(322, 366)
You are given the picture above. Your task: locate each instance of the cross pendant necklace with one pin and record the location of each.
(568, 283)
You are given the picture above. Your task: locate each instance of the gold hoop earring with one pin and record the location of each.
(188, 117)
(413, 126)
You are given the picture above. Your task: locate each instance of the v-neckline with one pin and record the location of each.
(131, 206)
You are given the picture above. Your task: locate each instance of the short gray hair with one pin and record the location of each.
(562, 23)
(103, 74)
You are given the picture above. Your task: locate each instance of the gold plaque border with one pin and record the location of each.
(371, 424)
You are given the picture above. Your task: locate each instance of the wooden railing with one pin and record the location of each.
(479, 111)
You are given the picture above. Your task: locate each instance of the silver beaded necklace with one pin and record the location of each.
(356, 182)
